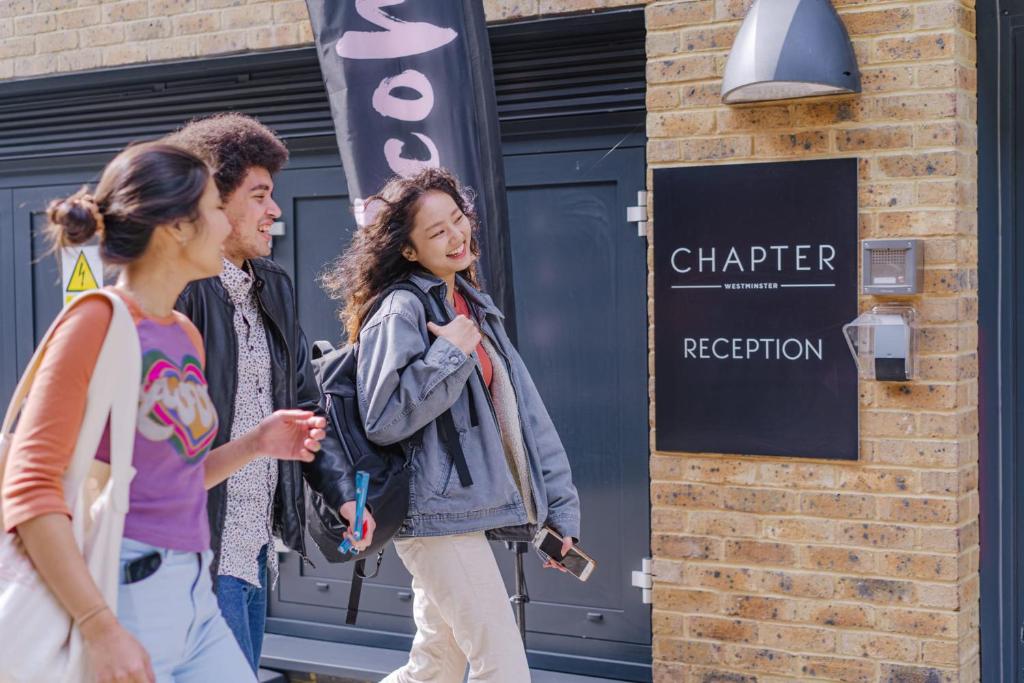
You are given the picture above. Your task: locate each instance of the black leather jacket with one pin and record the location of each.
(208, 305)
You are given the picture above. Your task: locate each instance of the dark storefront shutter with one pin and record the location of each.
(543, 69)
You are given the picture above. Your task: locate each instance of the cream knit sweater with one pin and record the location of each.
(503, 397)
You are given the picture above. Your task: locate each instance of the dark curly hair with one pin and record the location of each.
(232, 144)
(374, 260)
(143, 187)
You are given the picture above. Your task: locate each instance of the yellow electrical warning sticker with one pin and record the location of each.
(81, 271)
(82, 278)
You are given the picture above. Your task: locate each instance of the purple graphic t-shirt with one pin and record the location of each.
(176, 425)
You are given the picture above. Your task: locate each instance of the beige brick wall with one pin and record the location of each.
(793, 570)
(39, 37)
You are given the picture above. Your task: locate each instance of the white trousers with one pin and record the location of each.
(462, 614)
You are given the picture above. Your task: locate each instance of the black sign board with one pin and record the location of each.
(755, 273)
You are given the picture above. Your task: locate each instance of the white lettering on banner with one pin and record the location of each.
(405, 167)
(398, 39)
(400, 108)
(783, 255)
(752, 348)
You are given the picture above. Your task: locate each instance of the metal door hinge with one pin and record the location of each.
(644, 580)
(638, 214)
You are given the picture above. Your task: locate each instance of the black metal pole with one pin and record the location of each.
(521, 597)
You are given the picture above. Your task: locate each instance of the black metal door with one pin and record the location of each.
(580, 285)
(581, 290)
(37, 277)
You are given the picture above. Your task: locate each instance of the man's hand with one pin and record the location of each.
(290, 435)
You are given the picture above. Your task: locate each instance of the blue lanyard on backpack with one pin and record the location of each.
(362, 487)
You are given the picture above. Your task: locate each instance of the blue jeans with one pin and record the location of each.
(174, 615)
(244, 607)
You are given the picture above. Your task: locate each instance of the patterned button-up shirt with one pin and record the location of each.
(250, 494)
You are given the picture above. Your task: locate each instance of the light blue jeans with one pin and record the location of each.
(174, 614)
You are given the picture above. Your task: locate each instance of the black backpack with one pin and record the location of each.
(388, 466)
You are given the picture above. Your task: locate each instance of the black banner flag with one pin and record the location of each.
(410, 84)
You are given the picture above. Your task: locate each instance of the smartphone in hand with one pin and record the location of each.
(549, 543)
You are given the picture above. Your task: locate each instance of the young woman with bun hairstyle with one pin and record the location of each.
(423, 230)
(157, 215)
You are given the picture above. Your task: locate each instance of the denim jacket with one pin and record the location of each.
(403, 387)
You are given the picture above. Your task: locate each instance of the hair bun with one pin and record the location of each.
(75, 219)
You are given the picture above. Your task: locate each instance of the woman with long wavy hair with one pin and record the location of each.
(516, 474)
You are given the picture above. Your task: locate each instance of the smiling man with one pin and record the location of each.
(256, 363)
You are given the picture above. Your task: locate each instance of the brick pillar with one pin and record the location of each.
(771, 569)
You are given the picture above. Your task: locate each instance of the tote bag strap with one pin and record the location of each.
(119, 369)
(112, 398)
(25, 383)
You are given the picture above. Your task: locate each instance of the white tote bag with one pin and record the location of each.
(38, 639)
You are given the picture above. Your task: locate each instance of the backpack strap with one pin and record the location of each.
(445, 421)
(450, 435)
(355, 592)
(358, 574)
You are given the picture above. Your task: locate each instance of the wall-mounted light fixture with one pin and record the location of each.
(787, 49)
